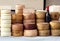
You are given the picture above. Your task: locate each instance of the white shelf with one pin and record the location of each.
(49, 38)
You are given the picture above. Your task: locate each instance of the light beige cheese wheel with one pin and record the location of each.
(30, 33)
(39, 20)
(55, 32)
(6, 29)
(20, 6)
(6, 21)
(29, 21)
(6, 16)
(43, 26)
(5, 33)
(17, 33)
(55, 24)
(5, 11)
(40, 14)
(5, 25)
(44, 32)
(54, 15)
(17, 27)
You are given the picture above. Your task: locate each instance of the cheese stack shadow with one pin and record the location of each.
(43, 29)
(30, 28)
(6, 22)
(55, 28)
(17, 21)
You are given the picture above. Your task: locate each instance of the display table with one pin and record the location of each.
(48, 38)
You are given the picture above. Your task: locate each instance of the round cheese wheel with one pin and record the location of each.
(5, 33)
(6, 16)
(17, 26)
(55, 24)
(43, 26)
(29, 16)
(13, 17)
(39, 20)
(6, 21)
(44, 32)
(30, 26)
(30, 33)
(29, 21)
(40, 14)
(54, 15)
(6, 29)
(5, 25)
(20, 6)
(17, 33)
(55, 32)
(18, 11)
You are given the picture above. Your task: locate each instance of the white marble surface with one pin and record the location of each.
(49, 38)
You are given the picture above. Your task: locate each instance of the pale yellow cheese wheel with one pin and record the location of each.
(43, 26)
(55, 32)
(30, 33)
(55, 24)
(44, 32)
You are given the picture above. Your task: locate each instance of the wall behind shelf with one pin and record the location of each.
(37, 4)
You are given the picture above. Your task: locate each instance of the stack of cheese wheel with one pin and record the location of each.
(40, 15)
(43, 29)
(54, 16)
(30, 29)
(29, 15)
(0, 22)
(55, 28)
(18, 17)
(6, 22)
(17, 29)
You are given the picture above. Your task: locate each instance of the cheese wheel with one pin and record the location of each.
(29, 21)
(44, 32)
(6, 21)
(20, 6)
(54, 15)
(5, 25)
(5, 33)
(55, 24)
(5, 11)
(19, 17)
(29, 16)
(13, 17)
(55, 32)
(17, 27)
(6, 29)
(40, 14)
(30, 33)
(30, 26)
(6, 16)
(20, 33)
(39, 20)
(43, 26)
(19, 11)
